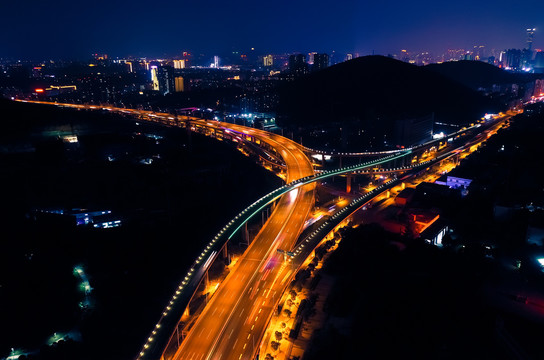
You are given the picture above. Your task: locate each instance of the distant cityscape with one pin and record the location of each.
(134, 80)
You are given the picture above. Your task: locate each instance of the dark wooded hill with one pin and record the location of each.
(377, 88)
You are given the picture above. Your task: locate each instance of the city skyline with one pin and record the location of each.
(67, 30)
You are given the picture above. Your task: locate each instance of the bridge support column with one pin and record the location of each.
(348, 183)
(225, 251)
(206, 286)
(246, 234)
(340, 162)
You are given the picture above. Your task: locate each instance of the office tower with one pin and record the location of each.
(530, 37)
(311, 58)
(321, 61)
(513, 59)
(539, 62)
(179, 64)
(216, 61)
(298, 65)
(479, 52)
(268, 60)
(349, 57)
(154, 77)
(166, 80)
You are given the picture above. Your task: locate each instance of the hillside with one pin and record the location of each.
(373, 89)
(477, 74)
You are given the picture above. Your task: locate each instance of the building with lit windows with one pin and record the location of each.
(311, 57)
(179, 84)
(298, 65)
(162, 79)
(166, 79)
(530, 38)
(539, 62)
(321, 61)
(179, 64)
(513, 59)
(268, 60)
(154, 77)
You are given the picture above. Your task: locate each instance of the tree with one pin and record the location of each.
(275, 345)
(287, 312)
(278, 335)
(289, 302)
(268, 357)
(283, 325)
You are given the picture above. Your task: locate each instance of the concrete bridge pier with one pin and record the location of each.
(245, 234)
(348, 182)
(206, 285)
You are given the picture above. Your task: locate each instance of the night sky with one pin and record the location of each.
(74, 29)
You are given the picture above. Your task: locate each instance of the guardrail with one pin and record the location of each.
(396, 151)
(166, 325)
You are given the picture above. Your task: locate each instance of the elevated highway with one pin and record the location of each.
(233, 322)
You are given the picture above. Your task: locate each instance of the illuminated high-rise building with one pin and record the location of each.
(162, 79)
(298, 65)
(154, 77)
(216, 61)
(311, 57)
(513, 59)
(479, 52)
(179, 64)
(530, 38)
(539, 62)
(165, 76)
(179, 84)
(268, 60)
(349, 57)
(321, 61)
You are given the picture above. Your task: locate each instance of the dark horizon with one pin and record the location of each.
(35, 30)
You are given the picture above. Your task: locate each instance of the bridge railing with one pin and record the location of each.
(168, 322)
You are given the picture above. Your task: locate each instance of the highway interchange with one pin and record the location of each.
(233, 322)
